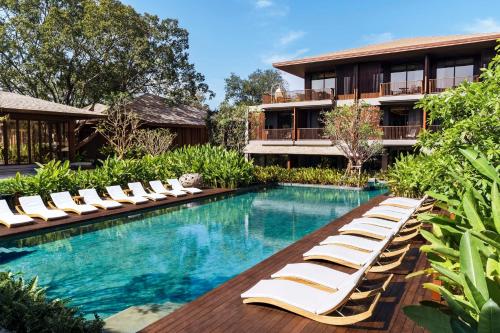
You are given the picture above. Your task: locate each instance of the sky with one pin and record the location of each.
(240, 36)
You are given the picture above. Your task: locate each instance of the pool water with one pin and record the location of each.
(173, 255)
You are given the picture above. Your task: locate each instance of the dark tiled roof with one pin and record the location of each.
(398, 45)
(155, 110)
(13, 102)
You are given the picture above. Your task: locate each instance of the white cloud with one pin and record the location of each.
(483, 25)
(271, 58)
(291, 37)
(378, 38)
(263, 3)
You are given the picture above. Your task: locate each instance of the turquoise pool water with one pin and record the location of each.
(173, 255)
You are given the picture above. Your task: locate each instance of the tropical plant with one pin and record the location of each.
(354, 129)
(323, 176)
(464, 255)
(24, 307)
(228, 126)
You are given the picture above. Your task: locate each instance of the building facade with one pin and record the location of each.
(392, 76)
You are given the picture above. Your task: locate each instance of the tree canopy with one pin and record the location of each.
(77, 52)
(249, 91)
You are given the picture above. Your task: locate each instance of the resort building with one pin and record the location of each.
(35, 130)
(188, 123)
(392, 76)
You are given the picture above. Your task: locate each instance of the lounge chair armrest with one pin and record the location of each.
(51, 205)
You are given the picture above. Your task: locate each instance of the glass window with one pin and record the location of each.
(450, 73)
(23, 128)
(323, 81)
(35, 141)
(2, 144)
(12, 137)
(45, 143)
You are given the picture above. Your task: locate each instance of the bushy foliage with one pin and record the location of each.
(25, 308)
(464, 254)
(219, 168)
(323, 176)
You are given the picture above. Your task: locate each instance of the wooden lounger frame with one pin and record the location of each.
(374, 268)
(322, 318)
(69, 210)
(21, 211)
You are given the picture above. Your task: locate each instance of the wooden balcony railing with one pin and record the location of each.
(298, 96)
(401, 132)
(440, 85)
(310, 134)
(401, 88)
(278, 134)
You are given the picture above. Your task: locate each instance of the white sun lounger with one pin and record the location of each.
(368, 230)
(309, 301)
(90, 197)
(116, 193)
(64, 201)
(9, 219)
(403, 202)
(381, 229)
(176, 185)
(33, 206)
(352, 258)
(356, 242)
(158, 187)
(323, 277)
(380, 212)
(138, 190)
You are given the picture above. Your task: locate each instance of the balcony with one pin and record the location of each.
(439, 85)
(401, 132)
(298, 96)
(402, 88)
(310, 134)
(278, 134)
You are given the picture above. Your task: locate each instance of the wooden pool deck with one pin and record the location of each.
(222, 310)
(41, 225)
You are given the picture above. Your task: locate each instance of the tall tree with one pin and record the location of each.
(249, 91)
(77, 52)
(354, 129)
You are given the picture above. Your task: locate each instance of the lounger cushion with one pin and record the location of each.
(318, 274)
(379, 223)
(410, 203)
(341, 252)
(299, 295)
(355, 241)
(368, 229)
(63, 200)
(91, 197)
(34, 205)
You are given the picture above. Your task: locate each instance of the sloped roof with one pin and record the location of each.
(13, 102)
(155, 110)
(398, 45)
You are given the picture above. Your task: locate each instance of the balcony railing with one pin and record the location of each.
(310, 134)
(298, 96)
(401, 132)
(278, 134)
(401, 88)
(440, 85)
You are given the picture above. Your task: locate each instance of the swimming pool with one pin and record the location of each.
(173, 255)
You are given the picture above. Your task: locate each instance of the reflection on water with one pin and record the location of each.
(174, 254)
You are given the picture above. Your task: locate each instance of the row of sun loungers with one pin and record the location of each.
(324, 294)
(89, 202)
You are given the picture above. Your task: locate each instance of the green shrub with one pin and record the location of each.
(464, 255)
(323, 176)
(25, 308)
(219, 168)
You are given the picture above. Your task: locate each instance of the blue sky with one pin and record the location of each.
(242, 35)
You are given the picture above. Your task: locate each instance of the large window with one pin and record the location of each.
(451, 73)
(323, 82)
(30, 141)
(406, 78)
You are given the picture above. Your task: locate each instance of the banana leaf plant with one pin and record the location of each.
(464, 254)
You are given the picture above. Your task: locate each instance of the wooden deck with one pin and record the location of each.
(222, 310)
(40, 225)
